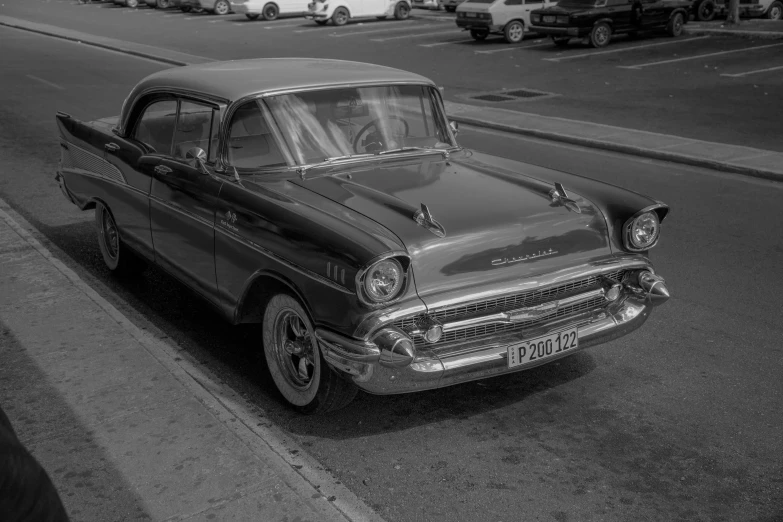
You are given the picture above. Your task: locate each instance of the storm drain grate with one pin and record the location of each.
(508, 96)
(492, 98)
(524, 93)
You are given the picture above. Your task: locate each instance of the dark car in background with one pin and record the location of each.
(596, 21)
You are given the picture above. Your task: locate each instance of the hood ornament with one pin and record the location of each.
(560, 196)
(424, 218)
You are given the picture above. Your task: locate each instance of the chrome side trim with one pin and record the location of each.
(182, 211)
(523, 314)
(268, 253)
(78, 158)
(87, 173)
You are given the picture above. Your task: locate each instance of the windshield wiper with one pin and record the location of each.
(326, 161)
(444, 152)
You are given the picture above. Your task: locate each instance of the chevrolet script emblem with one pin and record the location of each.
(533, 312)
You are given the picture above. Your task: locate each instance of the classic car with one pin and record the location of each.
(706, 10)
(340, 11)
(269, 10)
(510, 18)
(595, 21)
(329, 202)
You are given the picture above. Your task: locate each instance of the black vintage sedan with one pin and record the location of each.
(596, 21)
(329, 202)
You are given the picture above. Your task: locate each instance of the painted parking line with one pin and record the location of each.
(739, 75)
(410, 25)
(283, 26)
(410, 35)
(708, 55)
(623, 49)
(449, 42)
(536, 43)
(50, 84)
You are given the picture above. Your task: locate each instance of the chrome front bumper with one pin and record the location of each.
(383, 368)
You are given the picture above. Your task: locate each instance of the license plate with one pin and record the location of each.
(543, 347)
(549, 19)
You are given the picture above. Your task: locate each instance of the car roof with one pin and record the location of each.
(235, 79)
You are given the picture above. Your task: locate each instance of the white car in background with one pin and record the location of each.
(269, 9)
(340, 11)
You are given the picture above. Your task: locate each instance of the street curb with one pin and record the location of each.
(300, 471)
(546, 135)
(761, 35)
(625, 149)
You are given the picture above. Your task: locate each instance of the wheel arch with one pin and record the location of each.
(606, 20)
(520, 20)
(274, 3)
(684, 12)
(261, 287)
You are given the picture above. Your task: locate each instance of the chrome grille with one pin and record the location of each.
(77, 158)
(512, 302)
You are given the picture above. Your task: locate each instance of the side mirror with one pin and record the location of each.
(454, 126)
(196, 157)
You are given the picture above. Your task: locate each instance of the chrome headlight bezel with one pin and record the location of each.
(645, 217)
(399, 262)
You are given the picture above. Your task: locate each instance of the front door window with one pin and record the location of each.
(155, 127)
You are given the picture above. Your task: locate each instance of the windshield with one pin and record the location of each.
(334, 123)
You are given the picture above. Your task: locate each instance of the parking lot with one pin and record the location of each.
(701, 81)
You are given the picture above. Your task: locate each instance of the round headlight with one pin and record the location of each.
(643, 231)
(383, 281)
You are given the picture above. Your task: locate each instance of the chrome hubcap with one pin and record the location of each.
(110, 237)
(294, 349)
(222, 8)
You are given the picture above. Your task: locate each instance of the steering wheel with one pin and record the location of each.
(375, 135)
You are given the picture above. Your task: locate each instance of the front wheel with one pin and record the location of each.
(514, 31)
(118, 258)
(674, 27)
(132, 3)
(340, 16)
(222, 7)
(271, 12)
(163, 4)
(600, 35)
(402, 11)
(775, 11)
(478, 35)
(295, 362)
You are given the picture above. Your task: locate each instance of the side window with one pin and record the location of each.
(534, 2)
(155, 127)
(513, 2)
(250, 141)
(194, 129)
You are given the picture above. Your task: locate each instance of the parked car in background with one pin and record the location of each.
(269, 9)
(451, 5)
(126, 3)
(218, 7)
(329, 202)
(596, 21)
(340, 11)
(705, 10)
(160, 4)
(426, 4)
(510, 18)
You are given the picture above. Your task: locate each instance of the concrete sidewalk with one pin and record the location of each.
(125, 425)
(752, 28)
(719, 156)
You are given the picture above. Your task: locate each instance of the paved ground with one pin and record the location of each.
(679, 422)
(710, 87)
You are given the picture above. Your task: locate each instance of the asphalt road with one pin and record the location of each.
(631, 83)
(680, 421)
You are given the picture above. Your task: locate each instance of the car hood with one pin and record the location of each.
(498, 225)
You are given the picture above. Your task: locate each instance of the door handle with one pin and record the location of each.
(163, 170)
(111, 147)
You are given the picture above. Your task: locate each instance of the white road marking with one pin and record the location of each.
(283, 26)
(515, 48)
(623, 49)
(311, 29)
(674, 60)
(450, 42)
(172, 15)
(409, 35)
(739, 75)
(50, 84)
(196, 18)
(387, 30)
